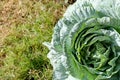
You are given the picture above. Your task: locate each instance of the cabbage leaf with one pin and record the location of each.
(86, 42)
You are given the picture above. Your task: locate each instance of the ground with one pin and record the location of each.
(24, 26)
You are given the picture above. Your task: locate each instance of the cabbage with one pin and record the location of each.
(86, 42)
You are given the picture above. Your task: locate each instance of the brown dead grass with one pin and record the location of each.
(4, 32)
(10, 12)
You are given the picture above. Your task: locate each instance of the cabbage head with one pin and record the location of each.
(86, 42)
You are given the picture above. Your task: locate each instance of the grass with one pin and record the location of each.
(24, 26)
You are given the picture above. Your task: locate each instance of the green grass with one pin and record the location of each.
(22, 54)
(26, 54)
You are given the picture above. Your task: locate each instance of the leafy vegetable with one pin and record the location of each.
(86, 42)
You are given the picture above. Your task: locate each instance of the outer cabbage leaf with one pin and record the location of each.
(86, 42)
